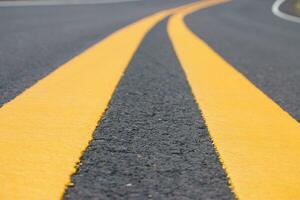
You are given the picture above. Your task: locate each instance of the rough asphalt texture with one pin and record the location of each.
(261, 46)
(36, 40)
(152, 142)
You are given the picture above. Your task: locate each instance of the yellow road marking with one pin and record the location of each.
(44, 131)
(258, 142)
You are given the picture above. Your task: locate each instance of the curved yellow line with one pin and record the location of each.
(44, 131)
(258, 142)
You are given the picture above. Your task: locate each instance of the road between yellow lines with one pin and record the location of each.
(258, 142)
(45, 129)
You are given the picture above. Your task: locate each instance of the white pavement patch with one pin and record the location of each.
(276, 11)
(57, 2)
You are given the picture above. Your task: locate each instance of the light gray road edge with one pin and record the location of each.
(58, 2)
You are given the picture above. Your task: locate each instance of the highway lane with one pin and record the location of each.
(36, 40)
(250, 48)
(152, 141)
(30, 132)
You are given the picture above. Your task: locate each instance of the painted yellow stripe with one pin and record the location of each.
(44, 131)
(258, 142)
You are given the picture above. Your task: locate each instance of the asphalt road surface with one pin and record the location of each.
(152, 141)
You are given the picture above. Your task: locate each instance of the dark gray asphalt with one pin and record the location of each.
(265, 48)
(151, 142)
(36, 40)
(152, 137)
